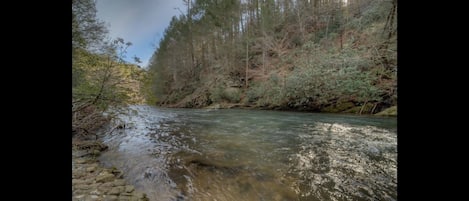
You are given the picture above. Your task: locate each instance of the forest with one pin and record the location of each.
(321, 55)
(101, 78)
(315, 55)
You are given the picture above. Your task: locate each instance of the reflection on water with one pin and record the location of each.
(186, 154)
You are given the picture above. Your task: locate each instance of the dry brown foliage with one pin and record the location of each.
(86, 120)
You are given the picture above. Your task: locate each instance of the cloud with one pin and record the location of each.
(141, 22)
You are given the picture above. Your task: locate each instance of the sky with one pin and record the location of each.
(141, 22)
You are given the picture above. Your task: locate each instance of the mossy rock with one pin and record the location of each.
(392, 111)
(340, 107)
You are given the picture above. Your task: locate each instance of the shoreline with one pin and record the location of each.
(91, 181)
(386, 112)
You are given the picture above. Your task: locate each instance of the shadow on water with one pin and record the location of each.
(186, 154)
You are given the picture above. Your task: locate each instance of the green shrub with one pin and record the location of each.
(216, 94)
(230, 94)
(254, 92)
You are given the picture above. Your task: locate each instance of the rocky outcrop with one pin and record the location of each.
(93, 182)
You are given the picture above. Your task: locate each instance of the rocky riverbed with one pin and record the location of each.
(93, 182)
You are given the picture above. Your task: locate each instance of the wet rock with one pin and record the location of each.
(119, 175)
(95, 152)
(125, 198)
(119, 182)
(129, 189)
(116, 171)
(106, 185)
(110, 198)
(89, 145)
(104, 190)
(92, 198)
(140, 195)
(116, 190)
(104, 177)
(82, 187)
(79, 192)
(81, 153)
(88, 180)
(126, 194)
(81, 161)
(91, 169)
(76, 181)
(92, 182)
(95, 192)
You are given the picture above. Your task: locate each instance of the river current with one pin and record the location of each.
(233, 154)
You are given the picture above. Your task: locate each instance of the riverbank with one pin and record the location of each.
(351, 109)
(93, 182)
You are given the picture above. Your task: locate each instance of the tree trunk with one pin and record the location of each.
(247, 65)
(263, 58)
(374, 107)
(327, 26)
(300, 23)
(103, 83)
(363, 106)
(390, 20)
(191, 43)
(341, 39)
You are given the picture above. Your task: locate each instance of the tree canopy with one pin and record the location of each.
(101, 79)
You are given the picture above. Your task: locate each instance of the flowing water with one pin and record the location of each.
(197, 154)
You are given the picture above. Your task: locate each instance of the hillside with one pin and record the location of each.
(325, 56)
